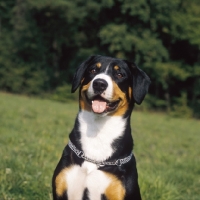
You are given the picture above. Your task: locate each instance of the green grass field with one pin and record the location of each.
(33, 133)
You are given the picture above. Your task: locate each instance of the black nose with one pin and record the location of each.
(99, 85)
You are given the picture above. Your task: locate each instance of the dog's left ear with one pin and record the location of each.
(80, 73)
(141, 83)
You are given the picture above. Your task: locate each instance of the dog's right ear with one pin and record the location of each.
(80, 73)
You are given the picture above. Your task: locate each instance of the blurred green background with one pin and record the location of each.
(42, 42)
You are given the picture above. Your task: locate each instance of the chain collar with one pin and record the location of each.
(81, 154)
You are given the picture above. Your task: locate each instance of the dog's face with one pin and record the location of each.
(109, 86)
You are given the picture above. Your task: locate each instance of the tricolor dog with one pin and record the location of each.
(97, 163)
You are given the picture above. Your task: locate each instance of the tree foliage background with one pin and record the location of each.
(43, 41)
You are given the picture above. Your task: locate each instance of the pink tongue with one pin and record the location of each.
(98, 106)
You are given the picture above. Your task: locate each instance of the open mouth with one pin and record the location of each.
(101, 105)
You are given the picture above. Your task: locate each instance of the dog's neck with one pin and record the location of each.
(98, 133)
(94, 125)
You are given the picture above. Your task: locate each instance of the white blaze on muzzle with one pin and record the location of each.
(99, 105)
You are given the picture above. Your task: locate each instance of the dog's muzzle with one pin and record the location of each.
(99, 85)
(99, 96)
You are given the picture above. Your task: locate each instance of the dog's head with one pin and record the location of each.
(109, 86)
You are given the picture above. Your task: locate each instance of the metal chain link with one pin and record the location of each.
(81, 154)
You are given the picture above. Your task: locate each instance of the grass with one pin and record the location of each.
(33, 133)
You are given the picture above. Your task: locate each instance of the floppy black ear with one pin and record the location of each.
(80, 73)
(141, 83)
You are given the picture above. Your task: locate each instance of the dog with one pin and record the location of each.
(97, 163)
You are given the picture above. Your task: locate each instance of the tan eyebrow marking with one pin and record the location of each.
(116, 67)
(98, 64)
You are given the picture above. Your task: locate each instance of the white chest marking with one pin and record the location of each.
(98, 133)
(87, 176)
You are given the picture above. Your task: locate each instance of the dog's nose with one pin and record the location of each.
(99, 85)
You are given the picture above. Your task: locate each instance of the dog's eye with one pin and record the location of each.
(119, 75)
(93, 71)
